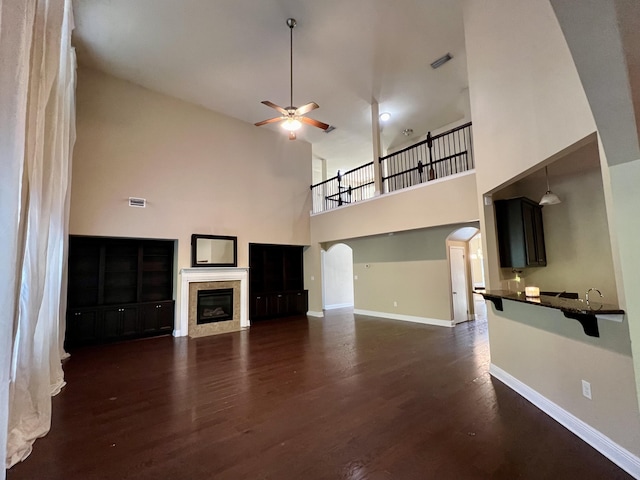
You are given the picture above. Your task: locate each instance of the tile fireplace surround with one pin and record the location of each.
(209, 276)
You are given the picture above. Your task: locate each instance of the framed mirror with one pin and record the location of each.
(214, 251)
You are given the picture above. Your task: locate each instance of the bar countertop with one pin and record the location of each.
(585, 312)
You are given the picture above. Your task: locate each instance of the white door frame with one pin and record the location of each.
(464, 295)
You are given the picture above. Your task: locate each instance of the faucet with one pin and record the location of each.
(586, 296)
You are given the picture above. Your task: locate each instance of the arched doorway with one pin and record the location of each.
(337, 277)
(458, 252)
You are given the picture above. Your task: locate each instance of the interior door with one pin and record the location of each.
(459, 292)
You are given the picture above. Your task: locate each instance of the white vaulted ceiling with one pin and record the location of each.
(229, 55)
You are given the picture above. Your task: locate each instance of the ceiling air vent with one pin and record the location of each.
(137, 202)
(441, 61)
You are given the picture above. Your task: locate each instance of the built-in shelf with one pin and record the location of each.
(587, 313)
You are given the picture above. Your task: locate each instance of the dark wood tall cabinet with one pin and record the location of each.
(118, 289)
(276, 281)
(520, 233)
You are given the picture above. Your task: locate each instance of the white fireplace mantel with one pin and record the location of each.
(211, 274)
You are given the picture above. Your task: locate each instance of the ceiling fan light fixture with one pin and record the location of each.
(291, 124)
(292, 117)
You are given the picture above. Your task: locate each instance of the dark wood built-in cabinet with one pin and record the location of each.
(118, 289)
(276, 281)
(520, 233)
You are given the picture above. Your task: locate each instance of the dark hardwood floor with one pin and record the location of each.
(339, 398)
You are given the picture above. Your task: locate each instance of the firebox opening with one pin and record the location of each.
(215, 306)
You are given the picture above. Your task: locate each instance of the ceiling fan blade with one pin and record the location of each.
(313, 122)
(307, 108)
(271, 120)
(292, 135)
(277, 107)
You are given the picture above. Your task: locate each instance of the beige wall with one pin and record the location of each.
(408, 268)
(557, 356)
(527, 102)
(440, 202)
(577, 240)
(603, 36)
(201, 172)
(528, 105)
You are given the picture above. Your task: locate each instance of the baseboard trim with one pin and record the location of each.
(405, 318)
(338, 305)
(607, 447)
(312, 313)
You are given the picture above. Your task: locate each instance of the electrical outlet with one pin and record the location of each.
(395, 304)
(586, 389)
(355, 277)
(312, 278)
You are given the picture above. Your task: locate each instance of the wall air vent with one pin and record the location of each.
(441, 61)
(137, 202)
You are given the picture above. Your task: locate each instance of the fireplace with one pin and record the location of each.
(213, 278)
(214, 306)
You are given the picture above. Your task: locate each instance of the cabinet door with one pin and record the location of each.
(82, 326)
(129, 322)
(281, 304)
(118, 322)
(149, 318)
(300, 302)
(111, 323)
(530, 250)
(541, 253)
(520, 233)
(260, 308)
(165, 313)
(157, 317)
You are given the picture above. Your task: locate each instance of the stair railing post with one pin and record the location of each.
(432, 173)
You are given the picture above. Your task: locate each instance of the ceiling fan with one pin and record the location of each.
(292, 117)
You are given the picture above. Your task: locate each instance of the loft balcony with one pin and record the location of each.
(440, 156)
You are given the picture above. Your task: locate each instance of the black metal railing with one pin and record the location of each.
(436, 157)
(349, 187)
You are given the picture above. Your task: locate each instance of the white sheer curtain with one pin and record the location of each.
(37, 83)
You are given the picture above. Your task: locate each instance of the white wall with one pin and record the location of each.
(337, 275)
(528, 106)
(475, 260)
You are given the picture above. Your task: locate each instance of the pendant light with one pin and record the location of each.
(549, 198)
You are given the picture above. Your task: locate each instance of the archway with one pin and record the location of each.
(337, 277)
(458, 251)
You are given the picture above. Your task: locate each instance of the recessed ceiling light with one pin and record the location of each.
(385, 116)
(441, 61)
